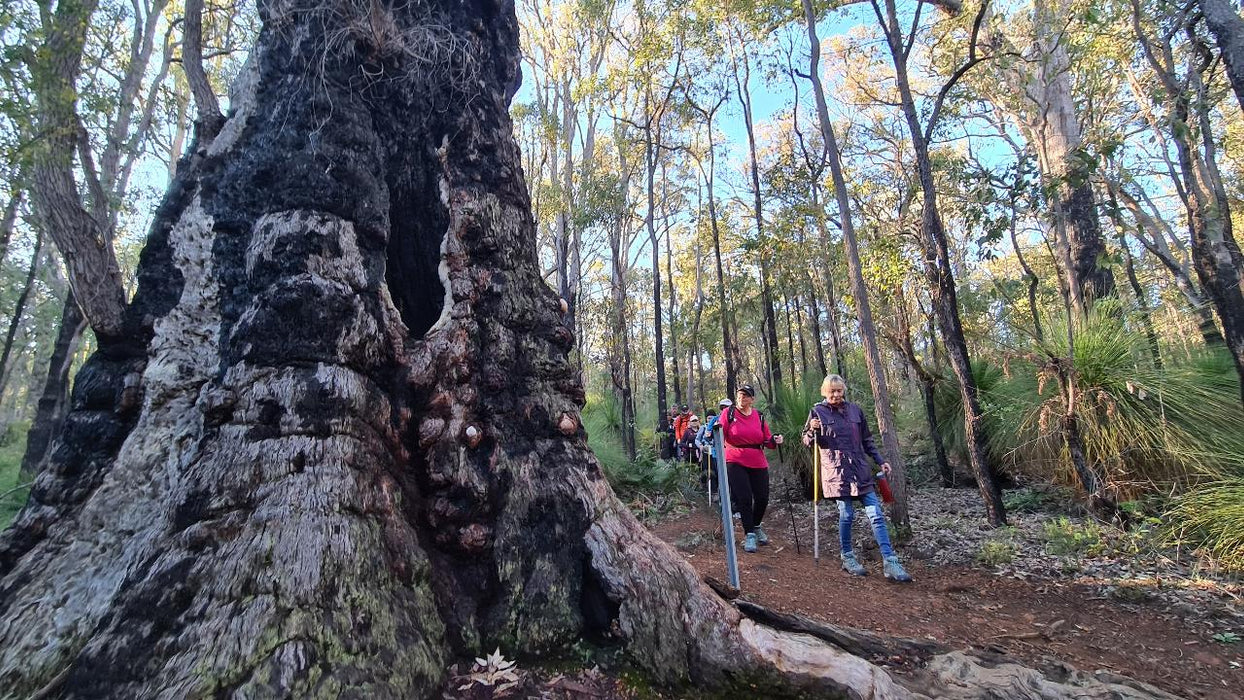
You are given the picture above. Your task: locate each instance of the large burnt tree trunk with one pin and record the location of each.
(338, 444)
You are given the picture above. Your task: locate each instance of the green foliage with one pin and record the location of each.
(1065, 537)
(1211, 516)
(602, 418)
(12, 447)
(996, 552)
(1142, 425)
(1033, 500)
(1144, 428)
(1226, 637)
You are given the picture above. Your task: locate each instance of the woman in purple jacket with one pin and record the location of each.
(842, 435)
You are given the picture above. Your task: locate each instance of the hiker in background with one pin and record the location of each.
(746, 436)
(668, 436)
(686, 444)
(842, 435)
(704, 440)
(680, 426)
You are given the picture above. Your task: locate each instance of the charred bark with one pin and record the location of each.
(290, 479)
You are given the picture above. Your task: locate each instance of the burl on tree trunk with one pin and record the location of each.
(338, 445)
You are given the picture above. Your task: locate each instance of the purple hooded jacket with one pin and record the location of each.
(844, 440)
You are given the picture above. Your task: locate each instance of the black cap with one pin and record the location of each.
(684, 407)
(747, 389)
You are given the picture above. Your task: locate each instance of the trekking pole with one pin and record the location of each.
(705, 463)
(816, 496)
(723, 488)
(790, 510)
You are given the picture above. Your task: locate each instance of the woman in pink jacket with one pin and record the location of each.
(746, 436)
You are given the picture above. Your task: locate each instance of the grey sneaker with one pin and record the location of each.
(761, 536)
(852, 566)
(894, 570)
(749, 545)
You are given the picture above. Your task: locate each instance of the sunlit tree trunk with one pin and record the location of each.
(940, 274)
(868, 330)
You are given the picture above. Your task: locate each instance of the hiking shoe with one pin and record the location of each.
(894, 570)
(852, 566)
(761, 536)
(749, 545)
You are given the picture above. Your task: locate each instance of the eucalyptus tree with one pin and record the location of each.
(1180, 69)
(655, 52)
(706, 100)
(567, 44)
(868, 329)
(1155, 233)
(937, 264)
(1043, 105)
(741, 36)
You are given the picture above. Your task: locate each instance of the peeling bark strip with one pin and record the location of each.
(339, 443)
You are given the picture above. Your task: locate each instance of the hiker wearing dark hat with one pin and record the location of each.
(841, 432)
(746, 436)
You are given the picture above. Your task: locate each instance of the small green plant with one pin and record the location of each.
(1065, 537)
(1129, 594)
(995, 553)
(1032, 500)
(1226, 637)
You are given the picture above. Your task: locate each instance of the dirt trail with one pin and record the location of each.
(962, 606)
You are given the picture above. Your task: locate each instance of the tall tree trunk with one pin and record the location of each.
(729, 355)
(82, 237)
(619, 345)
(831, 297)
(1215, 253)
(19, 309)
(816, 330)
(650, 160)
(1049, 119)
(868, 330)
(1225, 23)
(1156, 242)
(941, 276)
(1142, 304)
(1033, 280)
(770, 340)
(53, 401)
(673, 305)
(927, 385)
(8, 220)
(803, 348)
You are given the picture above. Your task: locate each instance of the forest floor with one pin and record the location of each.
(1050, 586)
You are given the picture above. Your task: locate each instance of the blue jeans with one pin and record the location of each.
(872, 506)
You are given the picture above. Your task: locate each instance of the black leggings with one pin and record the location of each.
(749, 492)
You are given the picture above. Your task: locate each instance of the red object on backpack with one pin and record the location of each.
(883, 488)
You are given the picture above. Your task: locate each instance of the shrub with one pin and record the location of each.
(1211, 516)
(996, 552)
(1065, 537)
